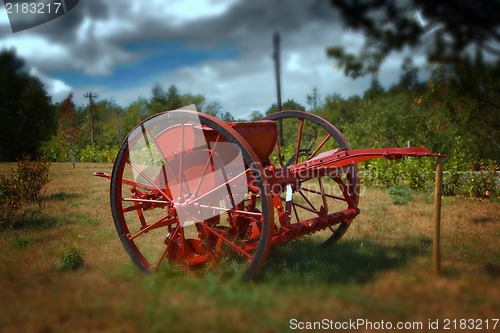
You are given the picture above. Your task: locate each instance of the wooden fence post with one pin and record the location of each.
(436, 244)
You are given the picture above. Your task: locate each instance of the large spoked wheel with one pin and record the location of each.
(187, 188)
(305, 137)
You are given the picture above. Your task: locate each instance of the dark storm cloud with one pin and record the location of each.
(95, 32)
(65, 28)
(248, 24)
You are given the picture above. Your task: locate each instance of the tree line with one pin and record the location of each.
(455, 102)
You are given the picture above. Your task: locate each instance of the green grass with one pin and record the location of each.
(71, 258)
(380, 270)
(401, 195)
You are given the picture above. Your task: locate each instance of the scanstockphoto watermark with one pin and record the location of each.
(355, 325)
(431, 325)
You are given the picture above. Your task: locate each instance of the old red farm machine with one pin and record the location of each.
(193, 190)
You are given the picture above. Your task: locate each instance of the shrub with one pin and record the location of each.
(415, 173)
(461, 174)
(71, 259)
(105, 155)
(482, 180)
(32, 177)
(454, 169)
(400, 194)
(10, 200)
(25, 184)
(55, 152)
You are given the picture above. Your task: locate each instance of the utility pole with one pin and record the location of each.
(91, 97)
(276, 57)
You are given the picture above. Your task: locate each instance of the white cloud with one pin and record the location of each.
(293, 63)
(35, 48)
(183, 12)
(55, 88)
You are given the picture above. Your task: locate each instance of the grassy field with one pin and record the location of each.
(380, 270)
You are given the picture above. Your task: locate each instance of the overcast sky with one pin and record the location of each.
(220, 48)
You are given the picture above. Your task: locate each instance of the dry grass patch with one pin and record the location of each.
(381, 269)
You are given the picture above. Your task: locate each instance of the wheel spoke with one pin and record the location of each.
(312, 210)
(152, 201)
(133, 183)
(203, 196)
(234, 246)
(295, 211)
(165, 251)
(325, 194)
(162, 222)
(181, 165)
(280, 158)
(299, 138)
(307, 200)
(146, 140)
(320, 146)
(149, 180)
(207, 164)
(232, 210)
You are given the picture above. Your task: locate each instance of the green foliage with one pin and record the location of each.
(428, 113)
(400, 195)
(212, 108)
(314, 100)
(112, 123)
(71, 259)
(290, 104)
(54, 151)
(109, 123)
(482, 185)
(465, 176)
(456, 165)
(287, 152)
(162, 100)
(474, 102)
(483, 180)
(462, 175)
(21, 242)
(255, 115)
(103, 155)
(414, 173)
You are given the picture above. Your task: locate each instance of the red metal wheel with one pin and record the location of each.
(188, 188)
(323, 193)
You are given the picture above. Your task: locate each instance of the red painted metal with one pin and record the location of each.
(191, 176)
(339, 157)
(289, 232)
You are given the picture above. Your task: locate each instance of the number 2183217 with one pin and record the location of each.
(33, 8)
